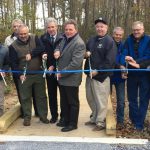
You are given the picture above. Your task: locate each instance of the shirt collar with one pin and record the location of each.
(54, 36)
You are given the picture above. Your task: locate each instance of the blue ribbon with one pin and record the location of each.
(75, 71)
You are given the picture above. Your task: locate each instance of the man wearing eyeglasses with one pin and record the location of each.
(137, 47)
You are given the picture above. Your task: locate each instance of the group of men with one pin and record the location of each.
(66, 52)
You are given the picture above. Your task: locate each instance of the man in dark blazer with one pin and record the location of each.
(50, 40)
(71, 54)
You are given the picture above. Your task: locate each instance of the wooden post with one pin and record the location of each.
(110, 119)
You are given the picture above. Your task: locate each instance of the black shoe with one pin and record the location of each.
(61, 120)
(61, 124)
(53, 120)
(27, 122)
(44, 120)
(68, 128)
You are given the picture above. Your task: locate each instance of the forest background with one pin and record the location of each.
(34, 12)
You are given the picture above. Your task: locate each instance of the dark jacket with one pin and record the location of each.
(18, 50)
(49, 48)
(116, 77)
(143, 51)
(144, 64)
(4, 61)
(103, 54)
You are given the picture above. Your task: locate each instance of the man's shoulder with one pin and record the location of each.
(3, 48)
(108, 38)
(8, 37)
(9, 40)
(79, 40)
(60, 34)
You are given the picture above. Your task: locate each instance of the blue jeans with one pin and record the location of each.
(120, 95)
(138, 86)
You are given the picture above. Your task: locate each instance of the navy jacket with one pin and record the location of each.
(145, 63)
(143, 50)
(116, 77)
(103, 54)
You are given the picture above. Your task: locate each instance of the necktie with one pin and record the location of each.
(52, 40)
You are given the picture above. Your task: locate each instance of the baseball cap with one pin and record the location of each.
(102, 20)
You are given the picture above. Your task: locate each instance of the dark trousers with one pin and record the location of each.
(34, 102)
(17, 89)
(120, 95)
(70, 104)
(138, 90)
(52, 85)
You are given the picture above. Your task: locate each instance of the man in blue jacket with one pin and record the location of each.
(137, 47)
(117, 79)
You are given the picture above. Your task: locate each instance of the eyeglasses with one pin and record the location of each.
(136, 30)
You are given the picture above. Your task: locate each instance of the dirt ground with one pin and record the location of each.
(10, 97)
(128, 130)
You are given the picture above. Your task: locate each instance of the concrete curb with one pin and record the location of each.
(66, 139)
(9, 117)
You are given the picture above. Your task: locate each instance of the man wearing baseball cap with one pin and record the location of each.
(101, 54)
(102, 20)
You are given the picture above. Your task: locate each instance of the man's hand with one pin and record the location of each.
(56, 54)
(94, 73)
(58, 76)
(22, 78)
(44, 56)
(87, 54)
(134, 64)
(124, 73)
(51, 68)
(28, 57)
(130, 59)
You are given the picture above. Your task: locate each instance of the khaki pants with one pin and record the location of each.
(1, 98)
(97, 94)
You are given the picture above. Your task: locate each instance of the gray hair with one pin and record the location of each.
(49, 20)
(118, 28)
(17, 21)
(22, 26)
(138, 23)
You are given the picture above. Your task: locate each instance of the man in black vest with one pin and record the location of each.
(25, 54)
